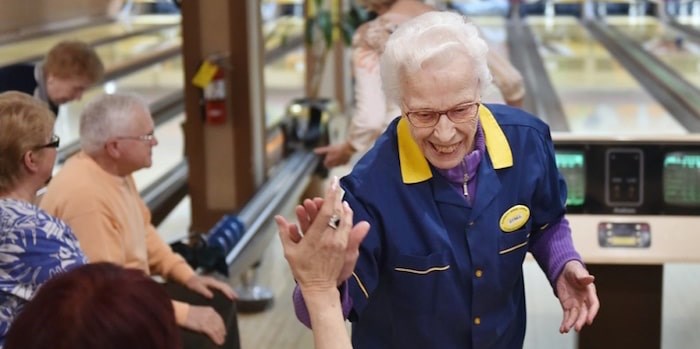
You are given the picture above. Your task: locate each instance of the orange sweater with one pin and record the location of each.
(112, 222)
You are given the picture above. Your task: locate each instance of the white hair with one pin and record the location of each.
(438, 38)
(106, 117)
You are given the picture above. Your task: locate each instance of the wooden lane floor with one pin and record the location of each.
(598, 95)
(36, 47)
(669, 45)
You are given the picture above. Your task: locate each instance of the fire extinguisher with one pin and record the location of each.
(215, 99)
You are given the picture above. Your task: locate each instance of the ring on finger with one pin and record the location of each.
(334, 221)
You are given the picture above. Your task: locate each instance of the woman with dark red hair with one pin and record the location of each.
(98, 305)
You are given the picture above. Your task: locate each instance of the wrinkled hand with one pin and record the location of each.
(319, 258)
(204, 284)
(577, 296)
(335, 154)
(206, 320)
(307, 213)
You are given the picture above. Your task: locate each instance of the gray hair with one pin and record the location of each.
(106, 117)
(435, 37)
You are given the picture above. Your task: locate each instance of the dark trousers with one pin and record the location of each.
(221, 304)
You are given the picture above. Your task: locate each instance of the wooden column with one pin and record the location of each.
(630, 307)
(226, 162)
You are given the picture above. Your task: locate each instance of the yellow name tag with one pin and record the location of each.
(514, 218)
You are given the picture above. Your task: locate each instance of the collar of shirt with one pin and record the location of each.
(415, 167)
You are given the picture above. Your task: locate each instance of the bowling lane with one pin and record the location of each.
(284, 80)
(665, 43)
(598, 95)
(26, 49)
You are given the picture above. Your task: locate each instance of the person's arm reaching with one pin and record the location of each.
(368, 120)
(317, 260)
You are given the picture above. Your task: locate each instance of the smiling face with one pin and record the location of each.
(442, 88)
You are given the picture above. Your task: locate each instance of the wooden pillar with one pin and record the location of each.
(630, 307)
(226, 162)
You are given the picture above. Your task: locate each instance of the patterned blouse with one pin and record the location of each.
(34, 247)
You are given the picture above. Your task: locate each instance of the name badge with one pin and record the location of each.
(514, 218)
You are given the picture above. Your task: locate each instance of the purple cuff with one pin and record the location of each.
(553, 248)
(302, 311)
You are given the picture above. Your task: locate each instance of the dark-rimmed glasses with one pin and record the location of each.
(54, 143)
(461, 113)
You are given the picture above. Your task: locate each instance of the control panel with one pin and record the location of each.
(620, 191)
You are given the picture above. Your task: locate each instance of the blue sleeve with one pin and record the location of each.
(551, 242)
(548, 204)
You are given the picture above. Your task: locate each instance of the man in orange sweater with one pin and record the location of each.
(96, 196)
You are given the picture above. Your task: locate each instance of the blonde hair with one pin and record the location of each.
(70, 59)
(25, 123)
(433, 37)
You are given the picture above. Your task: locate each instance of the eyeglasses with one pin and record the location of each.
(428, 118)
(145, 138)
(54, 143)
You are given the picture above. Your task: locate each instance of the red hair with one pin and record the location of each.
(97, 305)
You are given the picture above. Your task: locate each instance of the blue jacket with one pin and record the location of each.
(20, 77)
(432, 272)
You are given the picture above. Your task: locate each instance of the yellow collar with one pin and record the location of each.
(414, 166)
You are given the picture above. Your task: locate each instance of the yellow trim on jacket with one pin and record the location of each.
(414, 165)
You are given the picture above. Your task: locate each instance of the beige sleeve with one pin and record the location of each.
(368, 120)
(161, 258)
(508, 79)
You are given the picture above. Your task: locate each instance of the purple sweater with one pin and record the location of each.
(552, 248)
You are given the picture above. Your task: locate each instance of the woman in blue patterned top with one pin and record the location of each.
(34, 246)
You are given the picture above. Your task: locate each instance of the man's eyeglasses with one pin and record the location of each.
(148, 138)
(428, 118)
(54, 143)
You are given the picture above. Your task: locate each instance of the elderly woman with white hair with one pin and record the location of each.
(34, 246)
(373, 111)
(456, 192)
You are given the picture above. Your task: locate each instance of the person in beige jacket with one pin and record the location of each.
(95, 194)
(372, 111)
